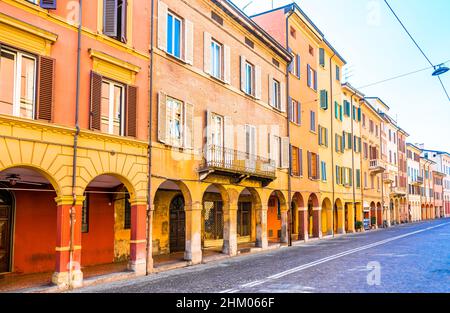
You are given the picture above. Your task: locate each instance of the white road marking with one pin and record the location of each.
(327, 259)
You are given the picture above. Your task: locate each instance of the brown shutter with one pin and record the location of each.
(317, 167)
(309, 165)
(110, 17)
(46, 87)
(96, 101)
(131, 110)
(300, 160)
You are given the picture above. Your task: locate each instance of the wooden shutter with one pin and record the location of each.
(326, 137)
(285, 152)
(309, 165)
(282, 97)
(317, 167)
(163, 10)
(188, 125)
(123, 30)
(271, 90)
(189, 42)
(300, 160)
(320, 135)
(207, 53)
(309, 75)
(258, 86)
(110, 8)
(46, 88)
(96, 101)
(162, 117)
(243, 76)
(298, 66)
(131, 109)
(299, 113)
(48, 4)
(322, 57)
(315, 80)
(228, 133)
(227, 64)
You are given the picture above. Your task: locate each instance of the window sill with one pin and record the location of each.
(175, 58)
(313, 132)
(220, 80)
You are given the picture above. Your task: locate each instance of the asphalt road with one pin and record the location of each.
(406, 258)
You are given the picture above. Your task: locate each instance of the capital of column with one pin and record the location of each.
(139, 202)
(69, 200)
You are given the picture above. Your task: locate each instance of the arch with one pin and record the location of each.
(314, 200)
(313, 217)
(276, 217)
(248, 217)
(184, 189)
(122, 179)
(338, 223)
(43, 172)
(296, 205)
(379, 214)
(215, 210)
(326, 217)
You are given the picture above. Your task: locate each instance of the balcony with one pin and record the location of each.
(418, 181)
(398, 191)
(376, 166)
(388, 178)
(237, 164)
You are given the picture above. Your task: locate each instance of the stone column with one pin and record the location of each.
(68, 273)
(341, 220)
(261, 227)
(284, 227)
(351, 218)
(230, 228)
(138, 240)
(193, 251)
(303, 224)
(317, 222)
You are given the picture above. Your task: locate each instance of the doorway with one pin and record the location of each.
(5, 230)
(177, 224)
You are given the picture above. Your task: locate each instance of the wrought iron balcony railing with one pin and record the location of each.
(418, 181)
(236, 163)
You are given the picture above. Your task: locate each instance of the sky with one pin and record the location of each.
(375, 46)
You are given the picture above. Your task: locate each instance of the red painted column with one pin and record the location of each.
(303, 224)
(138, 237)
(68, 272)
(317, 222)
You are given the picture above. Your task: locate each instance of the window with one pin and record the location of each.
(324, 171)
(338, 73)
(112, 108)
(296, 112)
(322, 57)
(17, 83)
(216, 59)
(249, 78)
(313, 121)
(346, 108)
(312, 78)
(311, 50)
(366, 151)
(277, 151)
(85, 215)
(323, 136)
(174, 121)
(358, 178)
(324, 99)
(365, 180)
(297, 167)
(115, 19)
(364, 120)
(276, 94)
(293, 32)
(174, 35)
(295, 66)
(338, 111)
(313, 166)
(45, 4)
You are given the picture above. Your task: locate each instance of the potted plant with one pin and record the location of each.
(358, 226)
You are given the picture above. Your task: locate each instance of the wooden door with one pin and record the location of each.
(5, 237)
(177, 224)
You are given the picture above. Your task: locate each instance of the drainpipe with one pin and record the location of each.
(289, 206)
(382, 180)
(149, 256)
(75, 146)
(332, 146)
(353, 158)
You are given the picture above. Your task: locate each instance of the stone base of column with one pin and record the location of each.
(330, 233)
(229, 248)
(62, 279)
(139, 267)
(341, 231)
(193, 257)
